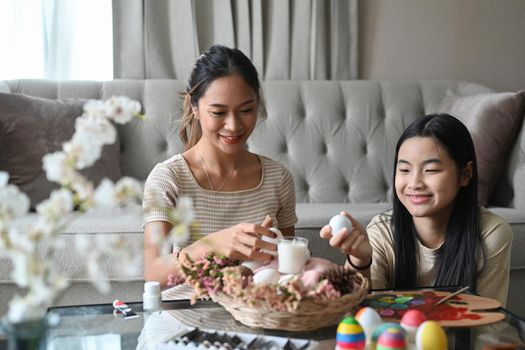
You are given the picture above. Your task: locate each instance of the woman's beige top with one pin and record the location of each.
(493, 280)
(217, 210)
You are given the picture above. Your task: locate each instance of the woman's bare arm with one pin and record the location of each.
(156, 267)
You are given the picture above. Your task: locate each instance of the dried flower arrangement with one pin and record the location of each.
(338, 291)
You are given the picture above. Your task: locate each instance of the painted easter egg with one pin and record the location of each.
(410, 321)
(266, 276)
(338, 222)
(392, 338)
(380, 329)
(350, 334)
(272, 240)
(431, 336)
(369, 319)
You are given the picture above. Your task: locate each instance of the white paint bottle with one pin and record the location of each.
(151, 299)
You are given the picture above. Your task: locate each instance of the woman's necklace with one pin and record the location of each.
(208, 175)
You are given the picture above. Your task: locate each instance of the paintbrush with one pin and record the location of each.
(451, 295)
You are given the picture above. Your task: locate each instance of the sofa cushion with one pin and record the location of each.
(31, 127)
(493, 120)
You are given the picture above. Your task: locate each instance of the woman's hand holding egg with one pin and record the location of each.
(243, 242)
(273, 241)
(349, 236)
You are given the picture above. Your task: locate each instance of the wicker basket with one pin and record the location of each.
(310, 314)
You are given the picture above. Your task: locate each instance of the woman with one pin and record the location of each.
(436, 234)
(233, 190)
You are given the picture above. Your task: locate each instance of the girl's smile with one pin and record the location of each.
(418, 198)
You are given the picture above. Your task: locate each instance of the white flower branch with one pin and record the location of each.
(32, 252)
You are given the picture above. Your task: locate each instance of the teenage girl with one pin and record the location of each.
(436, 233)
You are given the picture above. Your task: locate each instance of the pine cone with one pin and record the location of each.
(343, 279)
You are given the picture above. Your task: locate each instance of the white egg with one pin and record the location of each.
(266, 276)
(338, 222)
(272, 240)
(253, 265)
(286, 278)
(369, 319)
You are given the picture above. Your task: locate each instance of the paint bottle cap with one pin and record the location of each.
(152, 287)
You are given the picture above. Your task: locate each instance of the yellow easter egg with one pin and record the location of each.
(431, 336)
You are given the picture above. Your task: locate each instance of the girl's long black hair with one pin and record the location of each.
(456, 263)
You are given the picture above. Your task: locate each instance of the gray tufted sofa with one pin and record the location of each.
(337, 138)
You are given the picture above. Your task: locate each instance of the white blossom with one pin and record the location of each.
(4, 178)
(83, 189)
(22, 242)
(56, 206)
(95, 273)
(104, 194)
(24, 309)
(31, 252)
(45, 290)
(13, 203)
(127, 190)
(95, 107)
(131, 264)
(21, 273)
(55, 165)
(122, 109)
(82, 244)
(92, 129)
(183, 212)
(84, 152)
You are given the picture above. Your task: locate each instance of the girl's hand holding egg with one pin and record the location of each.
(338, 222)
(349, 236)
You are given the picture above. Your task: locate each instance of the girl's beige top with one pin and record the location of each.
(493, 279)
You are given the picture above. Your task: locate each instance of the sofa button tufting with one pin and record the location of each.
(163, 146)
(324, 149)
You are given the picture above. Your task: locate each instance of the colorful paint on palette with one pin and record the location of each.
(394, 306)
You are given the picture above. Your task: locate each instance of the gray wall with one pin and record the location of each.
(480, 41)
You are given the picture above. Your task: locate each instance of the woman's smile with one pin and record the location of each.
(231, 139)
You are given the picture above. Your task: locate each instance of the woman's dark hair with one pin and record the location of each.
(456, 263)
(219, 61)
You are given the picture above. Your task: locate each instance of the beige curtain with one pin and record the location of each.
(286, 39)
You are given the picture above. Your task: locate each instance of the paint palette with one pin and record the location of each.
(463, 310)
